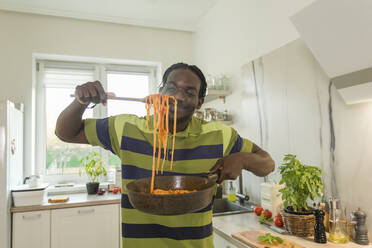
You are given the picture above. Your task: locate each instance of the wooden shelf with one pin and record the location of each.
(216, 94)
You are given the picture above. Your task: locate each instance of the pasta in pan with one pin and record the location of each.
(172, 191)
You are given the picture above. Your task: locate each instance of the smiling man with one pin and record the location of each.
(200, 147)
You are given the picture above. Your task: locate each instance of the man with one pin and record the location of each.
(200, 147)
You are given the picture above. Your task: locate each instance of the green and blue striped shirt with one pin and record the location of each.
(197, 149)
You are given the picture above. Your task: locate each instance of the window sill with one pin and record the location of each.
(71, 188)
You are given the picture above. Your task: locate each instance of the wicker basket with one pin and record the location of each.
(299, 224)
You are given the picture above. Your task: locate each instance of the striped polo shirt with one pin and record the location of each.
(197, 149)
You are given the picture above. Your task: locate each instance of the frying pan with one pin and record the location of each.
(172, 204)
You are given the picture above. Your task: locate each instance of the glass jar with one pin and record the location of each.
(231, 192)
(225, 81)
(337, 223)
(220, 116)
(210, 114)
(211, 82)
(207, 114)
(199, 114)
(226, 116)
(218, 83)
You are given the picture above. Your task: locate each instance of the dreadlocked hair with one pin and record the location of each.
(194, 69)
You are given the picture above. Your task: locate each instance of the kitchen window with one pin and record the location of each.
(56, 80)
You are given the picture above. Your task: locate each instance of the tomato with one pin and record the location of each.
(258, 210)
(120, 190)
(267, 214)
(115, 191)
(278, 221)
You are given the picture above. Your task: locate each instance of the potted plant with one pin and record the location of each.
(93, 166)
(301, 183)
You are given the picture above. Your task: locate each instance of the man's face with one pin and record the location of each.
(184, 85)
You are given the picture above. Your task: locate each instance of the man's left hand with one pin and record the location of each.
(258, 162)
(229, 167)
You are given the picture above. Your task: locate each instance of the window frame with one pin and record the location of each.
(101, 68)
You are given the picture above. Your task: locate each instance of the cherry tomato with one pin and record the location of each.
(267, 214)
(258, 210)
(115, 191)
(278, 221)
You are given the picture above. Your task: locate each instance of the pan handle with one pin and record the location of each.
(212, 177)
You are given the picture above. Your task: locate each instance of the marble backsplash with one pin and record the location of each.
(288, 105)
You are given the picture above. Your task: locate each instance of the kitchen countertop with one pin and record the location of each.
(229, 224)
(224, 225)
(76, 200)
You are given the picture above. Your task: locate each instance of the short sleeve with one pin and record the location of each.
(103, 133)
(238, 144)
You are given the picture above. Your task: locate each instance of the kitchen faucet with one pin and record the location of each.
(240, 194)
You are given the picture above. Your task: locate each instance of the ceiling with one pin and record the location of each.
(339, 34)
(169, 14)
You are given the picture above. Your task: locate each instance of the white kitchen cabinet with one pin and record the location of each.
(90, 227)
(31, 229)
(220, 242)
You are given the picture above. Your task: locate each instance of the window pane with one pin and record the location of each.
(61, 157)
(126, 85)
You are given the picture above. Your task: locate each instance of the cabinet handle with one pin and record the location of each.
(13, 147)
(31, 217)
(88, 211)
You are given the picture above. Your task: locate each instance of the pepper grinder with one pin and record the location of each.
(319, 229)
(361, 232)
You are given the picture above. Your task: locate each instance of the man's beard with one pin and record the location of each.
(181, 119)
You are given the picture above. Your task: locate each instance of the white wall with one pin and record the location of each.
(24, 34)
(289, 108)
(230, 35)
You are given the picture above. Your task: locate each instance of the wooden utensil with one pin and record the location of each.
(122, 98)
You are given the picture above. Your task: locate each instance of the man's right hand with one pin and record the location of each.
(91, 92)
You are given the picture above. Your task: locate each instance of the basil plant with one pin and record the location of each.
(302, 182)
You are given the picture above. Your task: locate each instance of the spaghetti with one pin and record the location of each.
(172, 191)
(160, 105)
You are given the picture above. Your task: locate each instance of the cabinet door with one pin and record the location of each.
(220, 242)
(90, 227)
(31, 229)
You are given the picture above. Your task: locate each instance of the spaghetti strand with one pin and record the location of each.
(160, 105)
